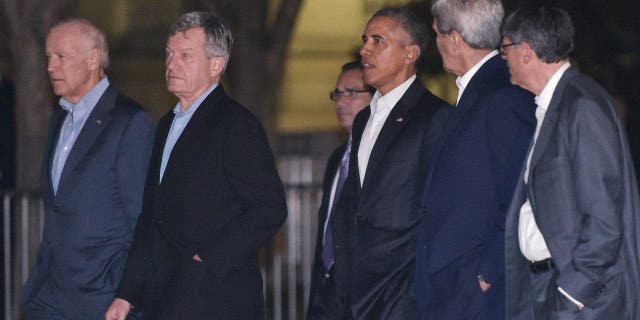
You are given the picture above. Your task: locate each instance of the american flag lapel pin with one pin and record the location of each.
(399, 119)
(99, 121)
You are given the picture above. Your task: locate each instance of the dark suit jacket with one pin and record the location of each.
(584, 197)
(467, 190)
(220, 198)
(324, 301)
(381, 216)
(89, 223)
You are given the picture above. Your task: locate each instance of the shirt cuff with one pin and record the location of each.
(576, 302)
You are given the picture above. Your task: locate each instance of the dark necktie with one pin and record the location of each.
(327, 249)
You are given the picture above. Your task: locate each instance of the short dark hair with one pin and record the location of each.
(356, 66)
(548, 30)
(415, 27)
(351, 65)
(218, 38)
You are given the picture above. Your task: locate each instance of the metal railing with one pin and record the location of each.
(287, 260)
(22, 223)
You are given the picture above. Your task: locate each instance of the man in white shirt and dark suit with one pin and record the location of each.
(380, 211)
(572, 229)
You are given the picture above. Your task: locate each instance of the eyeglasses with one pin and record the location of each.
(336, 94)
(502, 47)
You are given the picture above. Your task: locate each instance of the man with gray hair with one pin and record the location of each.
(468, 187)
(93, 177)
(213, 195)
(572, 248)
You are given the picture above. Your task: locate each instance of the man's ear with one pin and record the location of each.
(527, 52)
(454, 41)
(93, 58)
(412, 54)
(217, 66)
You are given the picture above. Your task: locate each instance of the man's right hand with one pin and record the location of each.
(118, 310)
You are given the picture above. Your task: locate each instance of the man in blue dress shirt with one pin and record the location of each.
(92, 180)
(213, 195)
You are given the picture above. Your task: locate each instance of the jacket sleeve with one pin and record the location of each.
(595, 162)
(132, 164)
(259, 205)
(510, 126)
(132, 283)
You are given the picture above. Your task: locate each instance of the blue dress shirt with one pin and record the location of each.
(180, 121)
(77, 115)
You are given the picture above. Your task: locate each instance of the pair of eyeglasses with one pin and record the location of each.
(502, 47)
(336, 94)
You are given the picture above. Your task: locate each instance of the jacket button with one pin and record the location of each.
(158, 221)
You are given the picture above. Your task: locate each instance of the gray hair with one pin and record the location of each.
(218, 38)
(413, 25)
(94, 36)
(548, 31)
(477, 21)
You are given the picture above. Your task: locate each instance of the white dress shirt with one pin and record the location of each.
(380, 106)
(463, 81)
(532, 244)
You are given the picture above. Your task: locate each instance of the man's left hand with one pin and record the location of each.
(484, 285)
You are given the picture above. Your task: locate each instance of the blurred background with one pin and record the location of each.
(286, 58)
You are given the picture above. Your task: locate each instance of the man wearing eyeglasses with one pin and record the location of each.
(460, 241)
(349, 97)
(572, 246)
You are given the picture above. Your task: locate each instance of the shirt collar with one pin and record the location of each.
(546, 94)
(391, 98)
(90, 99)
(464, 80)
(177, 110)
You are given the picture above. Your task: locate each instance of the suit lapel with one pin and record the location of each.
(550, 118)
(358, 127)
(393, 125)
(200, 120)
(327, 183)
(96, 122)
(55, 125)
(161, 139)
